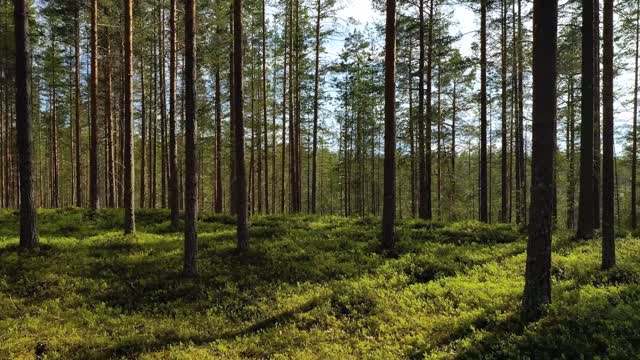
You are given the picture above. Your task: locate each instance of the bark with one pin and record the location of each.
(284, 116)
(143, 137)
(314, 171)
(129, 182)
(78, 129)
(389, 208)
(173, 163)
(597, 155)
(571, 150)
(191, 146)
(424, 193)
(264, 106)
(609, 175)
(218, 143)
(241, 186)
(634, 130)
(504, 177)
(484, 212)
(586, 202)
(537, 291)
(95, 188)
(110, 181)
(28, 215)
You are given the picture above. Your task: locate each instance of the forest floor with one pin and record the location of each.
(309, 288)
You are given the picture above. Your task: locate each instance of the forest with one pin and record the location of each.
(319, 179)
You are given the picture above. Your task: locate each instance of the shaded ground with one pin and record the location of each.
(311, 287)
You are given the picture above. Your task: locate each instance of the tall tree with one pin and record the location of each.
(484, 208)
(264, 106)
(597, 153)
(28, 215)
(504, 170)
(173, 163)
(78, 129)
(217, 207)
(608, 233)
(634, 129)
(191, 146)
(586, 202)
(95, 190)
(424, 191)
(241, 181)
(389, 207)
(316, 91)
(537, 290)
(129, 179)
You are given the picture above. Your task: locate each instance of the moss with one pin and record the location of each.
(310, 287)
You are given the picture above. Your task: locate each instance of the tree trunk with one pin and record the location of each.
(424, 204)
(191, 146)
(110, 183)
(634, 130)
(218, 186)
(316, 94)
(78, 128)
(608, 178)
(284, 115)
(264, 107)
(95, 191)
(571, 150)
(389, 207)
(129, 182)
(28, 215)
(586, 202)
(241, 186)
(173, 163)
(537, 291)
(143, 137)
(597, 155)
(484, 212)
(504, 198)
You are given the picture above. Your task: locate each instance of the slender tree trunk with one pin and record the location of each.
(78, 128)
(143, 137)
(173, 163)
(284, 115)
(110, 183)
(412, 140)
(608, 232)
(316, 94)
(571, 181)
(634, 130)
(191, 146)
(218, 193)
(28, 215)
(389, 207)
(129, 182)
(423, 190)
(95, 190)
(165, 172)
(586, 202)
(454, 109)
(264, 106)
(504, 198)
(55, 163)
(537, 291)
(484, 210)
(597, 154)
(241, 187)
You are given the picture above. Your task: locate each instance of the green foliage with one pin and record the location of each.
(310, 288)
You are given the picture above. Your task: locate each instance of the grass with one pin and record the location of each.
(309, 288)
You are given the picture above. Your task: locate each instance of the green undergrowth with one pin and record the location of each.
(311, 287)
